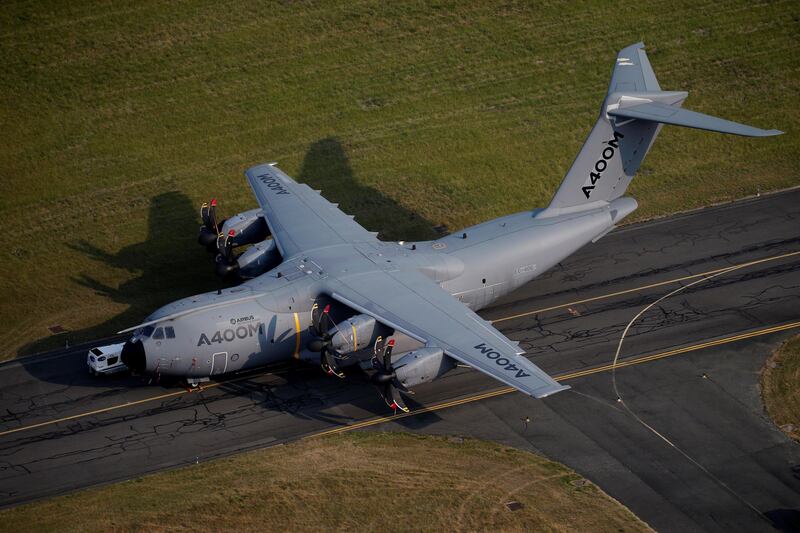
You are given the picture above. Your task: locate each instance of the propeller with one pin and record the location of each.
(385, 377)
(210, 229)
(320, 328)
(226, 261)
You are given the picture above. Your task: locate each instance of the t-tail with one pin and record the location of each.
(632, 114)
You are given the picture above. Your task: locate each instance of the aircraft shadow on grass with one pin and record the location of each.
(170, 264)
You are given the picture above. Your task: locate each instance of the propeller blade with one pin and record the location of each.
(320, 326)
(313, 327)
(204, 214)
(212, 216)
(325, 320)
(229, 245)
(226, 261)
(397, 399)
(208, 231)
(393, 398)
(225, 246)
(378, 347)
(385, 378)
(399, 386)
(387, 355)
(320, 321)
(328, 363)
(316, 345)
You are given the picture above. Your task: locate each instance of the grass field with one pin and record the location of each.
(120, 118)
(779, 387)
(359, 481)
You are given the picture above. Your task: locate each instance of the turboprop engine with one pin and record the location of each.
(248, 227)
(348, 336)
(259, 258)
(356, 333)
(421, 366)
(415, 367)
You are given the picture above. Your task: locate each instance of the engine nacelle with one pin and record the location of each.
(357, 333)
(249, 227)
(422, 365)
(258, 259)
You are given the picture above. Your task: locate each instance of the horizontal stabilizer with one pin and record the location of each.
(667, 114)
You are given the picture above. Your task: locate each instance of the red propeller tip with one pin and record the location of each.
(214, 202)
(232, 233)
(391, 342)
(327, 309)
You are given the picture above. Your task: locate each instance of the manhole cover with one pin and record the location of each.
(58, 328)
(579, 482)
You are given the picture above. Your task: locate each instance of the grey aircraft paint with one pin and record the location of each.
(409, 292)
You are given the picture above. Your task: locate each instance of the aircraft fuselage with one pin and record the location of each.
(266, 320)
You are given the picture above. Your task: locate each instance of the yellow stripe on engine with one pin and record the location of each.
(355, 338)
(296, 354)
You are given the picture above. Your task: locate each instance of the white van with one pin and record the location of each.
(106, 359)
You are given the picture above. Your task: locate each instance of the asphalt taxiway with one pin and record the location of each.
(675, 429)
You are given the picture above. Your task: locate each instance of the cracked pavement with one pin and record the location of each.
(706, 403)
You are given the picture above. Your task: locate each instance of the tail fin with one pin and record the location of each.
(631, 117)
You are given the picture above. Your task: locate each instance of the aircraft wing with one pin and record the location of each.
(298, 217)
(413, 304)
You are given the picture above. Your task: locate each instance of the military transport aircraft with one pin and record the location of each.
(320, 288)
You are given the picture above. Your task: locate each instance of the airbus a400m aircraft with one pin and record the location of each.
(320, 288)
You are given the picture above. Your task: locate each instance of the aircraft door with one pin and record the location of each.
(219, 363)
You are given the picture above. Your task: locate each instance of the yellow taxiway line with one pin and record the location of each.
(486, 395)
(103, 410)
(562, 377)
(436, 407)
(645, 287)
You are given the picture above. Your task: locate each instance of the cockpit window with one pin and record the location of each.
(147, 331)
(170, 332)
(159, 334)
(96, 351)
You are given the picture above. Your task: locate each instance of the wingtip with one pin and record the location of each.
(634, 46)
(758, 132)
(549, 391)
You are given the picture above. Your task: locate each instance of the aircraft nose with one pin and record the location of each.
(133, 356)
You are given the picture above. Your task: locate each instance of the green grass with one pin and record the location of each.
(779, 387)
(354, 482)
(119, 119)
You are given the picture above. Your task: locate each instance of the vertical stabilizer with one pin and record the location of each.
(634, 110)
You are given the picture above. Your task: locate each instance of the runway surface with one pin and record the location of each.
(688, 447)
